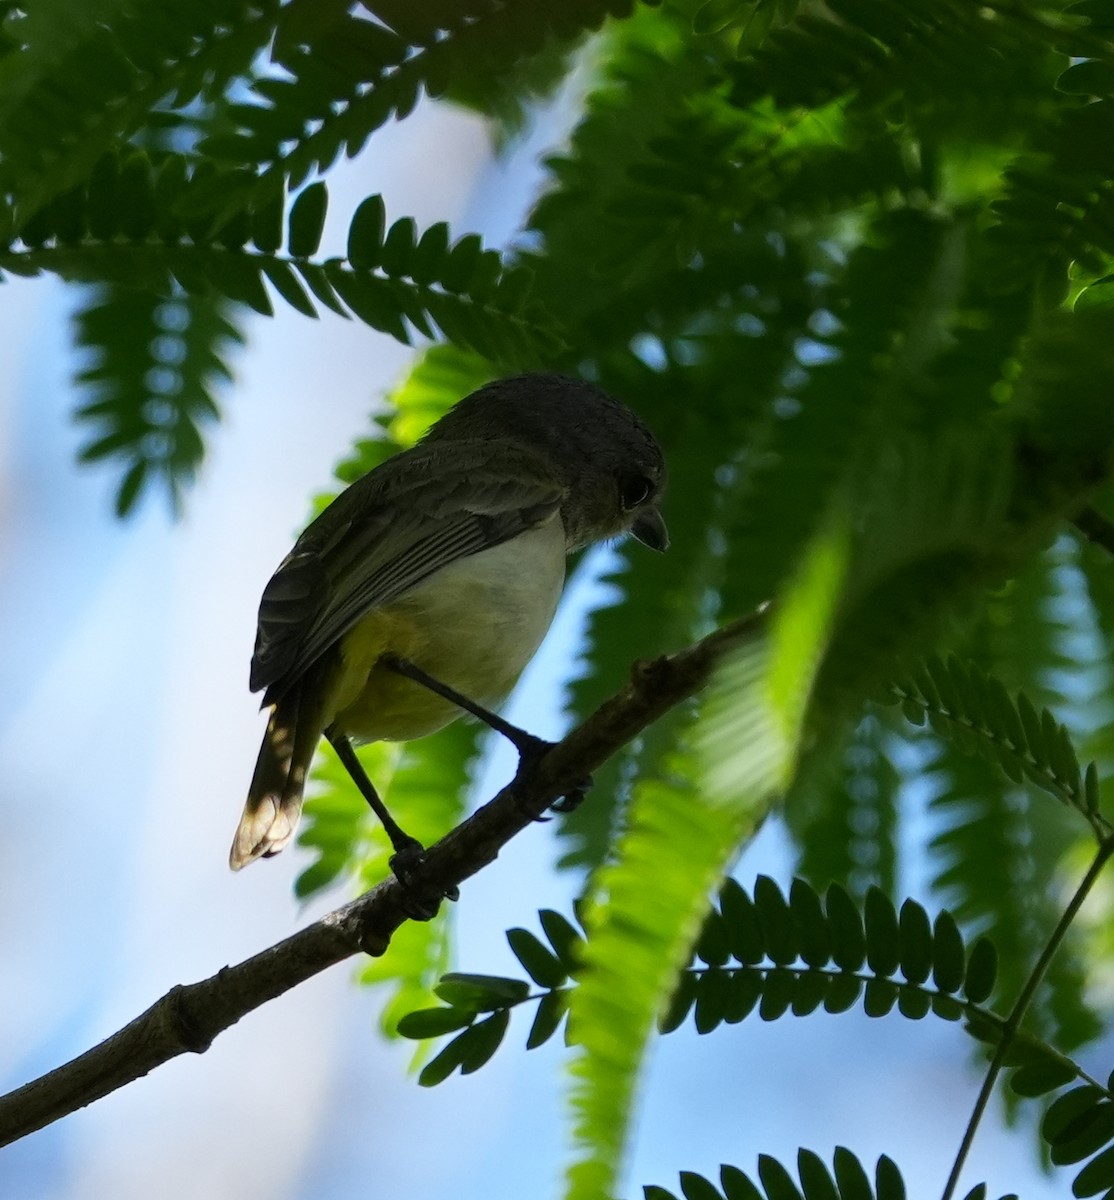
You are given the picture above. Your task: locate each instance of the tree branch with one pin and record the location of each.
(190, 1016)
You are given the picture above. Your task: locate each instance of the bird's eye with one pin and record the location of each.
(634, 491)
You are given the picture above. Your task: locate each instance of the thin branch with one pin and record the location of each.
(1021, 1007)
(190, 1016)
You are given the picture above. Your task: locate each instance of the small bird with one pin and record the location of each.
(426, 587)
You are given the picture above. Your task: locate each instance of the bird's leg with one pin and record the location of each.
(530, 747)
(408, 851)
(401, 841)
(525, 743)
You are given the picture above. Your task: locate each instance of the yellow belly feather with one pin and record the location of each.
(475, 626)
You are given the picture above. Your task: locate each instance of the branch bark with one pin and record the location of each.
(190, 1016)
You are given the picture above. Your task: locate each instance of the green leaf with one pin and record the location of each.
(1087, 79)
(915, 942)
(681, 1002)
(480, 993)
(1096, 1176)
(888, 1184)
(712, 946)
(745, 992)
(240, 278)
(843, 993)
(714, 15)
(130, 487)
(713, 993)
(321, 288)
(544, 968)
(307, 221)
(397, 253)
(741, 924)
(736, 1185)
(776, 1179)
(746, 748)
(151, 369)
(482, 1040)
(440, 1067)
(947, 954)
(135, 197)
(879, 997)
(429, 255)
(1089, 1132)
(365, 234)
(547, 1020)
(809, 992)
(370, 298)
(913, 1004)
(779, 933)
(1038, 1079)
(433, 1022)
(848, 936)
(982, 970)
(883, 948)
(813, 932)
(627, 979)
(285, 282)
(1067, 1113)
(1098, 297)
(462, 261)
(852, 1180)
(816, 1180)
(267, 224)
(696, 1187)
(566, 941)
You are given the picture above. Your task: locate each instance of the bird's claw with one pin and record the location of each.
(574, 797)
(417, 902)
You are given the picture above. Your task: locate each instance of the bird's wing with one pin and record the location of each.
(396, 526)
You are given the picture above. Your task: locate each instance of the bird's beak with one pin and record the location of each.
(650, 529)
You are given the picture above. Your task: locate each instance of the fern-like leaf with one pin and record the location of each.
(843, 811)
(977, 712)
(847, 1178)
(87, 75)
(654, 604)
(997, 859)
(714, 795)
(771, 954)
(151, 368)
(142, 225)
(348, 76)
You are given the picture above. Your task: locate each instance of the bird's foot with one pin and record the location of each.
(574, 797)
(418, 902)
(530, 749)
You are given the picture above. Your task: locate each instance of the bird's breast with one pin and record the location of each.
(474, 625)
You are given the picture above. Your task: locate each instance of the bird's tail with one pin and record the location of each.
(274, 802)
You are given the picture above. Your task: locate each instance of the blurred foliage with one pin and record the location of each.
(854, 263)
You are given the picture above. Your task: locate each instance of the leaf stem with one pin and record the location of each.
(1021, 1006)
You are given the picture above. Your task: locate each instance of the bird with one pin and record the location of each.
(424, 589)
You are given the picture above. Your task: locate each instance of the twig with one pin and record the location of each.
(190, 1016)
(1020, 1007)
